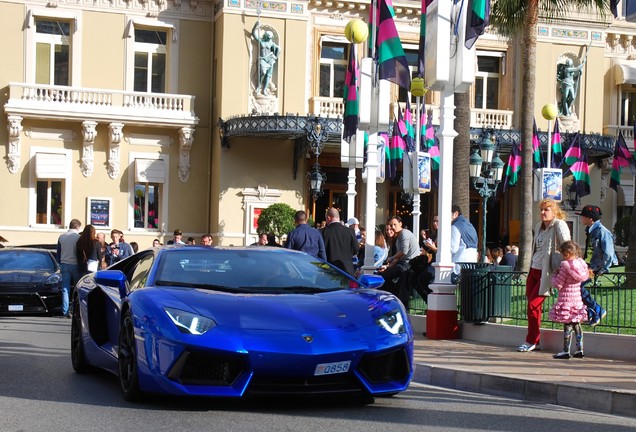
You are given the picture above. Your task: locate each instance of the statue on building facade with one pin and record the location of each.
(269, 52)
(569, 77)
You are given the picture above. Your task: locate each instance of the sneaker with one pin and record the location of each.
(526, 347)
(563, 355)
(578, 354)
(597, 319)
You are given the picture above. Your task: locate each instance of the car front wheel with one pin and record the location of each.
(127, 356)
(78, 359)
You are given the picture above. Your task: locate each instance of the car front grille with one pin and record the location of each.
(338, 383)
(194, 368)
(386, 366)
(31, 303)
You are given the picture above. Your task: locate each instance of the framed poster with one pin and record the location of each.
(424, 172)
(98, 212)
(552, 183)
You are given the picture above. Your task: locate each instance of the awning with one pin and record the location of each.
(625, 74)
(50, 165)
(150, 171)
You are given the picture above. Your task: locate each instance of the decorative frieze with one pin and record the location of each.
(89, 132)
(115, 134)
(13, 152)
(186, 137)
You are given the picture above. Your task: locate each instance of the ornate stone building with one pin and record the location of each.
(152, 115)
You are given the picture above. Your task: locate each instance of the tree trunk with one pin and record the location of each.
(461, 153)
(527, 117)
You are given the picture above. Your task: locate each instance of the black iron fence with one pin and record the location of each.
(496, 294)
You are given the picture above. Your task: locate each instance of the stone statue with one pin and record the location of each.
(268, 54)
(569, 77)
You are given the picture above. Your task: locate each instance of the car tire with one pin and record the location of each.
(127, 360)
(78, 357)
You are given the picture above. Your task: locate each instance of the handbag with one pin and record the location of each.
(91, 265)
(555, 255)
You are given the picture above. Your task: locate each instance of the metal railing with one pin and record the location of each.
(501, 297)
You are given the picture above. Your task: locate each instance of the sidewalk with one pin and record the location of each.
(592, 384)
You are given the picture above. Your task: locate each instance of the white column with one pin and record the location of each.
(351, 191)
(371, 191)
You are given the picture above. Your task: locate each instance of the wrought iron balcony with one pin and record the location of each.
(101, 105)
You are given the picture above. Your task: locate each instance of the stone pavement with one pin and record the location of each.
(591, 383)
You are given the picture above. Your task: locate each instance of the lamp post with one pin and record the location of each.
(316, 137)
(573, 200)
(486, 172)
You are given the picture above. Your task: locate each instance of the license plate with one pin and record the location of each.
(16, 308)
(332, 368)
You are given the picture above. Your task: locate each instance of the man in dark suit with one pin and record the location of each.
(340, 242)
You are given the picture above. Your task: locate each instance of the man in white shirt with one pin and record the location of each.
(463, 241)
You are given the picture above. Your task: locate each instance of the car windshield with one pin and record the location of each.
(26, 260)
(250, 271)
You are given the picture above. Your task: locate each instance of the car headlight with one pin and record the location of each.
(54, 279)
(392, 322)
(189, 323)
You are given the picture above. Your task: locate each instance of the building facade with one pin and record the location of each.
(152, 115)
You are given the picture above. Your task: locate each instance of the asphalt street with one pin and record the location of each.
(39, 391)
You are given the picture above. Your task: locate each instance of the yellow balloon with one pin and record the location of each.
(356, 31)
(549, 111)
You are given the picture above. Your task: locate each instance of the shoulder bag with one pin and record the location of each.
(555, 254)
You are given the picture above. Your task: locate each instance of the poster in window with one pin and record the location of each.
(99, 212)
(552, 183)
(256, 212)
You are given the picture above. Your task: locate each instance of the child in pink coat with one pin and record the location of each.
(569, 308)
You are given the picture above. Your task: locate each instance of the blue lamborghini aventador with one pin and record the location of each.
(232, 322)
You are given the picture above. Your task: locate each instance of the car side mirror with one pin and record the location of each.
(115, 279)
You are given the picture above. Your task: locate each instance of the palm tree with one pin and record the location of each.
(461, 153)
(518, 18)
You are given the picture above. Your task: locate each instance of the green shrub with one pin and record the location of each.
(277, 219)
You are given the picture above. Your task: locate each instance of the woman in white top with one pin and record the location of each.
(548, 236)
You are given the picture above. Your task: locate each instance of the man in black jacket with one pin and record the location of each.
(340, 242)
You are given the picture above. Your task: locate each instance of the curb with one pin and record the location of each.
(588, 398)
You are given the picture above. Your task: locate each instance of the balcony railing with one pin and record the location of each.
(479, 118)
(628, 131)
(61, 102)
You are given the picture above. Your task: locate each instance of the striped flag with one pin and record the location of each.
(350, 117)
(392, 63)
(409, 137)
(396, 147)
(514, 167)
(427, 131)
(622, 158)
(477, 20)
(557, 147)
(577, 159)
(420, 52)
(537, 159)
(614, 8)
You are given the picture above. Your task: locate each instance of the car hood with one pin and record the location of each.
(23, 276)
(342, 309)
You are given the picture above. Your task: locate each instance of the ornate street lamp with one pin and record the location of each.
(573, 200)
(486, 172)
(316, 138)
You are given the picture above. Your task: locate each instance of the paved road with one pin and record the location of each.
(40, 392)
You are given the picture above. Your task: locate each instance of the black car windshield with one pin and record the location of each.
(14, 259)
(250, 271)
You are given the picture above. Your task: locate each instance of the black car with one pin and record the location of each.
(30, 282)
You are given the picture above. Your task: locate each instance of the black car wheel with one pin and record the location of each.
(80, 365)
(127, 355)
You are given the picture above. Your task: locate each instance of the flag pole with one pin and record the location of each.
(549, 165)
(415, 164)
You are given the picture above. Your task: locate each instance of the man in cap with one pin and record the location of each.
(601, 242)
